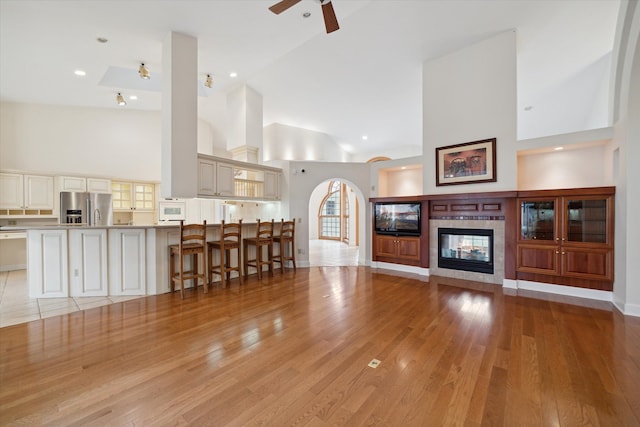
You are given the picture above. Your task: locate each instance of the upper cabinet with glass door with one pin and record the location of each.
(128, 196)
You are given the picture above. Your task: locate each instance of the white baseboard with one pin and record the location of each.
(509, 283)
(562, 290)
(13, 267)
(627, 309)
(400, 267)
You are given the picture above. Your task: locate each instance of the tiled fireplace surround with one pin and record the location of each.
(498, 249)
(469, 211)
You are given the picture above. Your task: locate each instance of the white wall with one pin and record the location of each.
(115, 143)
(568, 168)
(396, 152)
(399, 182)
(470, 95)
(282, 142)
(302, 185)
(380, 188)
(314, 205)
(626, 158)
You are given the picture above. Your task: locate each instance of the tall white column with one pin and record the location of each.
(244, 115)
(179, 116)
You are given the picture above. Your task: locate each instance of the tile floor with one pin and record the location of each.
(323, 253)
(16, 306)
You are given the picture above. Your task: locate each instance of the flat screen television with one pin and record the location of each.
(397, 218)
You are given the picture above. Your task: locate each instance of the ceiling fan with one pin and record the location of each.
(330, 20)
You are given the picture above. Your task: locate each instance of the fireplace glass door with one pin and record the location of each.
(465, 249)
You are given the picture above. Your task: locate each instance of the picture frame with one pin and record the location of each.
(467, 163)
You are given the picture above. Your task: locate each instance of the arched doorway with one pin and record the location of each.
(334, 224)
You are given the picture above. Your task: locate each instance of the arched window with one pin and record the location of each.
(329, 218)
(333, 215)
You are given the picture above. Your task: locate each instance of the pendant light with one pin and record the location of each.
(209, 81)
(144, 72)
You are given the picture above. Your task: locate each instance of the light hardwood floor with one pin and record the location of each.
(294, 348)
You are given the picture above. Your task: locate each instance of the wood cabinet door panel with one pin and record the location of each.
(538, 259)
(409, 248)
(587, 263)
(386, 246)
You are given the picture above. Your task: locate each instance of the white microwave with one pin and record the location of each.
(172, 210)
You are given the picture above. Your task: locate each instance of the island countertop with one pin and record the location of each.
(79, 260)
(96, 227)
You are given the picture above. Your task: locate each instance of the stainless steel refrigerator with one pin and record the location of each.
(85, 208)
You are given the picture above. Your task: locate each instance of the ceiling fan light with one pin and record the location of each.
(120, 100)
(144, 72)
(209, 81)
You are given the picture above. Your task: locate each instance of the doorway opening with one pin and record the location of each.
(334, 224)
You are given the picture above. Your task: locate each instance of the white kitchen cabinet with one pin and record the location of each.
(11, 191)
(215, 178)
(128, 196)
(271, 185)
(72, 183)
(127, 268)
(82, 184)
(47, 263)
(206, 177)
(199, 210)
(224, 180)
(88, 262)
(26, 194)
(99, 185)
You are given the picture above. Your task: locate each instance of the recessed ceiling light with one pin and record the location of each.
(133, 97)
(81, 73)
(559, 148)
(233, 74)
(102, 40)
(365, 137)
(306, 14)
(528, 108)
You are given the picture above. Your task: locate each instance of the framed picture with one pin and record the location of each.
(468, 163)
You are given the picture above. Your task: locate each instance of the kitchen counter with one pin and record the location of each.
(23, 228)
(79, 260)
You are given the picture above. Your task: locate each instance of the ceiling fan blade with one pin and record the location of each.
(280, 7)
(330, 20)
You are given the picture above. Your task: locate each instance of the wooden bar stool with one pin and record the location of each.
(230, 238)
(264, 237)
(192, 243)
(286, 243)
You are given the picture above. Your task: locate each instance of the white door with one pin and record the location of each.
(38, 192)
(127, 270)
(271, 181)
(47, 267)
(11, 191)
(88, 262)
(72, 183)
(98, 185)
(224, 180)
(206, 177)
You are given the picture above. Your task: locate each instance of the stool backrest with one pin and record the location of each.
(231, 231)
(193, 233)
(264, 230)
(287, 228)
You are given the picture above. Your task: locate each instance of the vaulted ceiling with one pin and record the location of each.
(364, 79)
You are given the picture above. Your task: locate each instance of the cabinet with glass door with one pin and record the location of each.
(567, 234)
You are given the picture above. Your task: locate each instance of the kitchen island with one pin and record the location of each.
(77, 260)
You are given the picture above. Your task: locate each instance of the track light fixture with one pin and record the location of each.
(209, 82)
(120, 100)
(144, 72)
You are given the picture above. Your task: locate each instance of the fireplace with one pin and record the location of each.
(466, 249)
